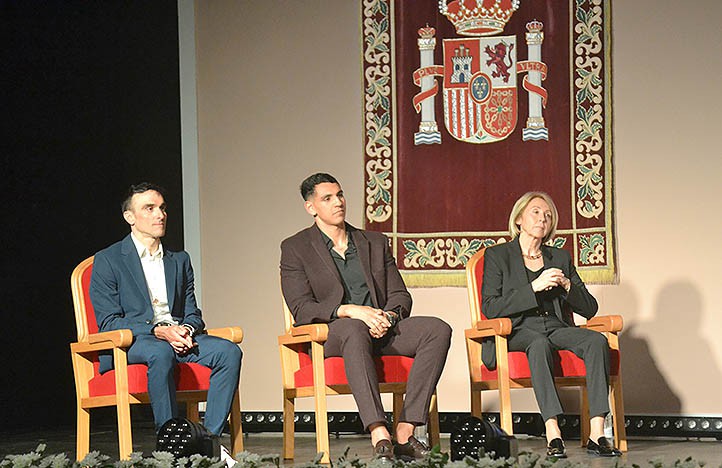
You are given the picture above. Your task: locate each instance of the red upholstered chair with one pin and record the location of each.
(128, 384)
(306, 373)
(512, 368)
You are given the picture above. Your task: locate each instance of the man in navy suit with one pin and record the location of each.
(138, 285)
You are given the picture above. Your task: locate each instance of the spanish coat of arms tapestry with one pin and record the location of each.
(467, 105)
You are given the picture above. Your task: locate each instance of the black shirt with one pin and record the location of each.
(544, 299)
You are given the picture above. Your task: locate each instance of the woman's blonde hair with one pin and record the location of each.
(521, 205)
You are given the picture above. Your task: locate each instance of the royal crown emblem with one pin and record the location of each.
(478, 17)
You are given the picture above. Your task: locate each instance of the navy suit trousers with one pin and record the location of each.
(221, 356)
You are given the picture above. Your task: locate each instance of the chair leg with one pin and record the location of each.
(434, 429)
(289, 414)
(505, 408)
(584, 421)
(319, 393)
(620, 430)
(475, 402)
(502, 379)
(82, 446)
(125, 435)
(122, 401)
(398, 404)
(236, 429)
(192, 411)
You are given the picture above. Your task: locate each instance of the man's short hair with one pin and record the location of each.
(139, 188)
(308, 186)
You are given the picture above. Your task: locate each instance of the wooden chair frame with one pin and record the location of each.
(83, 353)
(499, 329)
(315, 335)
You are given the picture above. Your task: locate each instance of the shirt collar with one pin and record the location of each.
(329, 242)
(143, 251)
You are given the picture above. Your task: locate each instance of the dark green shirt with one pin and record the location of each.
(355, 289)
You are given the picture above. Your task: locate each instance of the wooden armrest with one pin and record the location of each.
(288, 339)
(232, 334)
(490, 327)
(120, 338)
(104, 341)
(315, 332)
(605, 323)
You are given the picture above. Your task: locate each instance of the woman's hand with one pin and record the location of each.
(550, 278)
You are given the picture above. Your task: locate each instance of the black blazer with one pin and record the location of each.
(312, 285)
(506, 290)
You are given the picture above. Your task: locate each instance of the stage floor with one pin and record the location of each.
(105, 441)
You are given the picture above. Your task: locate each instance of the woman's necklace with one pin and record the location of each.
(532, 257)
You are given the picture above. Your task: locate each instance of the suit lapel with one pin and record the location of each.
(518, 270)
(363, 247)
(319, 245)
(132, 262)
(170, 267)
(550, 261)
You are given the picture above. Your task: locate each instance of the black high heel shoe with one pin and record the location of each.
(602, 448)
(556, 449)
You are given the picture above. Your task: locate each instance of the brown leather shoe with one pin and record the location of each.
(384, 450)
(414, 449)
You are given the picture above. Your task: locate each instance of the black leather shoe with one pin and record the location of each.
(384, 450)
(556, 449)
(602, 448)
(414, 449)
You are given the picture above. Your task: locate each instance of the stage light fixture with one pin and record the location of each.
(183, 438)
(523, 423)
(475, 437)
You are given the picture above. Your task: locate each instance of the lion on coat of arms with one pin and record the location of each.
(496, 60)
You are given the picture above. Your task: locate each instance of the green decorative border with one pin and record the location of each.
(377, 52)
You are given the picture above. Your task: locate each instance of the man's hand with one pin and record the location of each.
(375, 319)
(177, 336)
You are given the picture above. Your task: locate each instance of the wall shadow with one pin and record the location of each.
(677, 329)
(646, 388)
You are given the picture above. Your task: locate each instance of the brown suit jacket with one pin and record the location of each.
(313, 288)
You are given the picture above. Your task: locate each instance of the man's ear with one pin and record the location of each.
(129, 217)
(309, 208)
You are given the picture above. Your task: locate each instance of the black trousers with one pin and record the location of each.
(426, 339)
(539, 337)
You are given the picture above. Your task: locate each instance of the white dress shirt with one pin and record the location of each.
(154, 272)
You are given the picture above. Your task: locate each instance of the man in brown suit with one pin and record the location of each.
(335, 273)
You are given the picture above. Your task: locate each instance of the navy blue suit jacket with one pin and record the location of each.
(120, 296)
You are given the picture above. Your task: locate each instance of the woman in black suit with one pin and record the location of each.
(536, 285)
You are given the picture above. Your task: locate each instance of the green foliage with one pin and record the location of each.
(436, 459)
